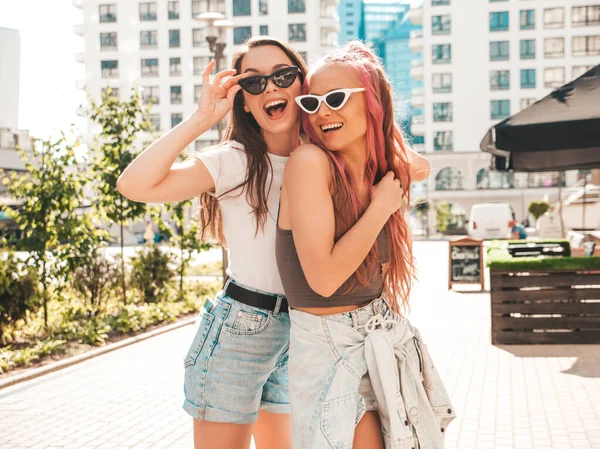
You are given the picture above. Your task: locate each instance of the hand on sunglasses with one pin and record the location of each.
(216, 98)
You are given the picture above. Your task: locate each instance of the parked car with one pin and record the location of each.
(491, 221)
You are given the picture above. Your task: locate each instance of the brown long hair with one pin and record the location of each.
(243, 128)
(386, 151)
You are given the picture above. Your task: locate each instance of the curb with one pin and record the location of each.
(56, 366)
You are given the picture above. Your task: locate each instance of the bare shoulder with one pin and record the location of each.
(308, 157)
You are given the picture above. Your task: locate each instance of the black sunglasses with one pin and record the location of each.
(256, 85)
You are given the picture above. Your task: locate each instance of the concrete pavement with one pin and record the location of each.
(517, 397)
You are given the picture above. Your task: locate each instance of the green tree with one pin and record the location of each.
(185, 238)
(50, 194)
(17, 291)
(443, 216)
(422, 209)
(538, 208)
(116, 146)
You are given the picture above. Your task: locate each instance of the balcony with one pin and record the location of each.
(416, 15)
(417, 125)
(78, 4)
(417, 98)
(78, 29)
(417, 71)
(416, 41)
(329, 19)
(329, 38)
(80, 57)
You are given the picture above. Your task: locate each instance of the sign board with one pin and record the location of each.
(465, 262)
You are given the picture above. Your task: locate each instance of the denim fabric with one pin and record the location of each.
(343, 365)
(237, 363)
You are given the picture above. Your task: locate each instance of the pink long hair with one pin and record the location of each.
(386, 151)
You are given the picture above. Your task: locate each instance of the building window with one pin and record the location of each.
(175, 66)
(148, 39)
(263, 7)
(499, 109)
(175, 94)
(580, 70)
(442, 112)
(492, 179)
(174, 39)
(527, 48)
(150, 94)
(150, 67)
(586, 45)
(108, 41)
(241, 34)
(241, 7)
(554, 47)
(176, 119)
(499, 21)
(527, 19)
(155, 121)
(499, 80)
(297, 32)
(109, 69)
(200, 6)
(200, 64)
(108, 13)
(439, 2)
(148, 11)
(442, 82)
(197, 92)
(528, 79)
(304, 56)
(173, 10)
(554, 17)
(544, 179)
(499, 51)
(441, 54)
(263, 30)
(585, 15)
(526, 102)
(441, 24)
(442, 141)
(199, 37)
(449, 178)
(554, 77)
(295, 6)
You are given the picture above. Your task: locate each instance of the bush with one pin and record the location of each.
(95, 281)
(538, 208)
(18, 288)
(151, 273)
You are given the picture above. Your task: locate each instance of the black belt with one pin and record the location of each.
(255, 299)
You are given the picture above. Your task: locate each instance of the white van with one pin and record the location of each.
(491, 221)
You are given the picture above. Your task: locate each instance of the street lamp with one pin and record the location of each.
(216, 24)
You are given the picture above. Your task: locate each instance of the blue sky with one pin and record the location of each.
(48, 97)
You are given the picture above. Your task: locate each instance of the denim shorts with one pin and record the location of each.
(237, 363)
(330, 390)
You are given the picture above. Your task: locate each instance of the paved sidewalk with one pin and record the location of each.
(517, 397)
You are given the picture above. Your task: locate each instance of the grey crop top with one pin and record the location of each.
(299, 293)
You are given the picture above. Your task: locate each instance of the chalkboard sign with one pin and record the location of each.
(465, 262)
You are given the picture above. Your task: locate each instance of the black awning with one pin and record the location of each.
(559, 132)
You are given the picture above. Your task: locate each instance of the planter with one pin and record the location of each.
(545, 305)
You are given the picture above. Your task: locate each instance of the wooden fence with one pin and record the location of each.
(545, 307)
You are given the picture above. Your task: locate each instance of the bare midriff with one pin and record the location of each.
(320, 311)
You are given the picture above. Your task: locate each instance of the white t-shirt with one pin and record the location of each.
(251, 257)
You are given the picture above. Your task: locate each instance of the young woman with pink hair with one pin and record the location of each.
(359, 374)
